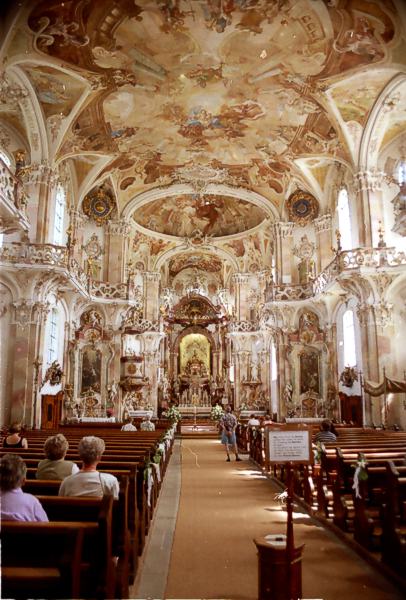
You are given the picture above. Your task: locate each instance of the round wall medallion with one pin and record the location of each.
(302, 207)
(98, 205)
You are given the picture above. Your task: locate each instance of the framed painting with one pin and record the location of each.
(310, 372)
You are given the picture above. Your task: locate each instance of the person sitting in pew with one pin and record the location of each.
(88, 481)
(325, 434)
(129, 425)
(147, 424)
(54, 466)
(14, 439)
(17, 505)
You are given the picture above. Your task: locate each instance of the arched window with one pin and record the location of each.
(59, 216)
(52, 333)
(402, 172)
(344, 220)
(350, 351)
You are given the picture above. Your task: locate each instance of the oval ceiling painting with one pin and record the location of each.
(212, 215)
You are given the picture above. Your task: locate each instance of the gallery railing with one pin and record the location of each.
(58, 257)
(12, 197)
(346, 261)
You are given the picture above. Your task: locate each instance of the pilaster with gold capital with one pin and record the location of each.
(370, 354)
(283, 236)
(322, 227)
(151, 295)
(369, 201)
(77, 222)
(117, 244)
(241, 287)
(23, 347)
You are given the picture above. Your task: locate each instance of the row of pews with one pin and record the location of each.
(91, 546)
(358, 483)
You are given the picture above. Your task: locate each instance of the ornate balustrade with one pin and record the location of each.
(371, 257)
(49, 255)
(325, 278)
(8, 183)
(104, 289)
(244, 326)
(12, 201)
(346, 261)
(34, 254)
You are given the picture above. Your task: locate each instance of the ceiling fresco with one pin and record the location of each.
(204, 262)
(213, 215)
(263, 95)
(237, 84)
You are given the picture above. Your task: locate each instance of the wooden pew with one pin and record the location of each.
(394, 520)
(43, 560)
(88, 509)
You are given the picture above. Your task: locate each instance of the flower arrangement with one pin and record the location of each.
(360, 473)
(216, 412)
(173, 414)
(318, 450)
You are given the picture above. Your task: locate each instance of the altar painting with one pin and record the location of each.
(91, 370)
(309, 373)
(195, 355)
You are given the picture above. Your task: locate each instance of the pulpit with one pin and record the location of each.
(51, 410)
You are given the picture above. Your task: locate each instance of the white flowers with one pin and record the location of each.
(216, 412)
(173, 414)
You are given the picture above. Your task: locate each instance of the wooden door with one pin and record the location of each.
(51, 410)
(351, 409)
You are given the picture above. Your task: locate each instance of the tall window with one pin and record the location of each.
(402, 172)
(350, 355)
(60, 201)
(344, 220)
(52, 336)
(274, 367)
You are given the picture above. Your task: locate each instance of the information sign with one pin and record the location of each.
(288, 443)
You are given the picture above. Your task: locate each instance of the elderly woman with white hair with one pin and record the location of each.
(54, 466)
(89, 481)
(17, 505)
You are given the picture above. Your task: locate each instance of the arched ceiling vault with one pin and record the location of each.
(198, 108)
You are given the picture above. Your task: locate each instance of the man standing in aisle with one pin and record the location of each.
(228, 424)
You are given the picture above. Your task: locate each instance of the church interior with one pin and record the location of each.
(203, 203)
(217, 180)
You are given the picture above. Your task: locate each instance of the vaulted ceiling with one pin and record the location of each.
(201, 115)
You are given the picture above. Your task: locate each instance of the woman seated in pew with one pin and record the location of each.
(54, 466)
(14, 439)
(147, 424)
(17, 505)
(129, 425)
(325, 434)
(89, 481)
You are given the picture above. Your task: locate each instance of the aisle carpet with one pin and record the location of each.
(223, 506)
